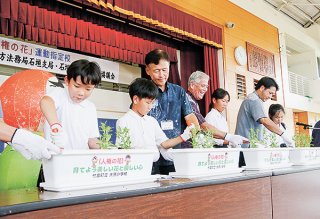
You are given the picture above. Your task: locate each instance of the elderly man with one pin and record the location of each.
(197, 87)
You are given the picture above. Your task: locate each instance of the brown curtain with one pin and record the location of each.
(211, 68)
(174, 74)
(20, 19)
(191, 57)
(163, 13)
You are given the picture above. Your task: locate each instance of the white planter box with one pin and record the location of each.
(266, 158)
(305, 156)
(197, 162)
(83, 169)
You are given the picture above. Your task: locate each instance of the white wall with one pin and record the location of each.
(287, 26)
(110, 104)
(128, 73)
(264, 11)
(315, 91)
(304, 64)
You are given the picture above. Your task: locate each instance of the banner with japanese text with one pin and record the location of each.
(32, 56)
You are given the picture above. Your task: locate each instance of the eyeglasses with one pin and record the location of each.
(163, 70)
(203, 86)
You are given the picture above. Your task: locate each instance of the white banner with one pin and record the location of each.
(32, 56)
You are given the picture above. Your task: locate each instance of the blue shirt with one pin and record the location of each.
(171, 104)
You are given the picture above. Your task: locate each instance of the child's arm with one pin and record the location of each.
(171, 142)
(177, 140)
(93, 143)
(48, 109)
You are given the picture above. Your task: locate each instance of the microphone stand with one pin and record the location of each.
(307, 127)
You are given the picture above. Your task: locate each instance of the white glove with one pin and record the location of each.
(186, 135)
(58, 137)
(32, 146)
(287, 140)
(166, 153)
(235, 140)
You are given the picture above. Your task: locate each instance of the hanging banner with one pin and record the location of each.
(32, 56)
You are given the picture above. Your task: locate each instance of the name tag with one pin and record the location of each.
(167, 125)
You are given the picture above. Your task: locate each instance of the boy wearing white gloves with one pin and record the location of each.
(71, 118)
(145, 131)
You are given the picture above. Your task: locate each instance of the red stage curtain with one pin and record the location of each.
(191, 58)
(167, 15)
(47, 27)
(174, 74)
(71, 28)
(211, 68)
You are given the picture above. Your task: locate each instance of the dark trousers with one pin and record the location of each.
(40, 177)
(220, 146)
(242, 162)
(163, 170)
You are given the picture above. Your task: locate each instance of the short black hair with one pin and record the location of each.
(219, 93)
(274, 109)
(143, 88)
(89, 72)
(267, 82)
(155, 56)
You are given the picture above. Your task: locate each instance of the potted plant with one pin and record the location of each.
(303, 154)
(203, 158)
(83, 169)
(265, 154)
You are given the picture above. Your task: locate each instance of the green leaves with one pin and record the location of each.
(253, 137)
(268, 139)
(105, 138)
(123, 135)
(202, 138)
(273, 140)
(302, 140)
(124, 138)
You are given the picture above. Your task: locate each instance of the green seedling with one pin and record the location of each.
(302, 140)
(202, 138)
(253, 137)
(105, 138)
(124, 138)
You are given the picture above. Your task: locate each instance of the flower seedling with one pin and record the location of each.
(253, 137)
(202, 138)
(273, 140)
(302, 140)
(124, 138)
(105, 138)
(268, 139)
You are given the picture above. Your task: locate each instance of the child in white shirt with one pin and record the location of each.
(71, 118)
(276, 114)
(144, 130)
(220, 99)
